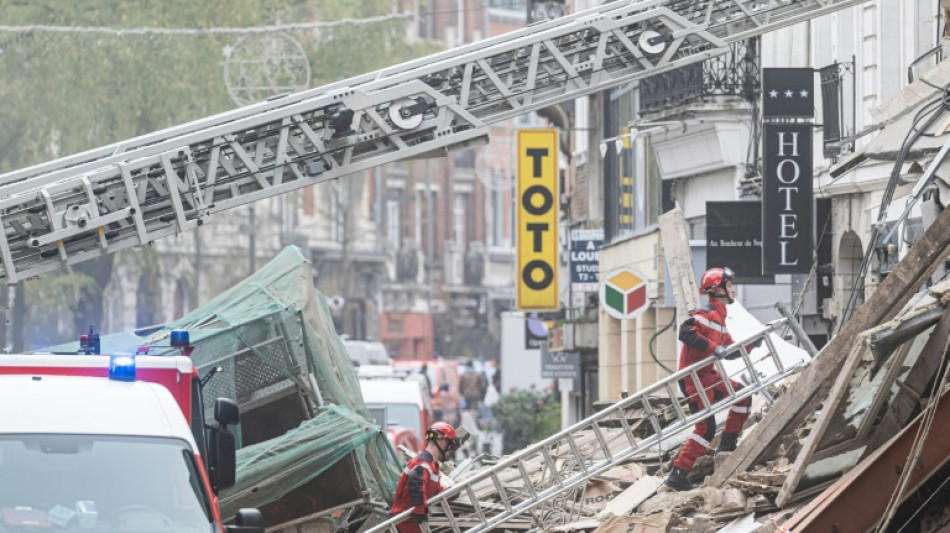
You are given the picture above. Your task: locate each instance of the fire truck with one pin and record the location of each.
(113, 443)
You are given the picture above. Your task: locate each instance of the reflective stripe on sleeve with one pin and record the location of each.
(709, 323)
(700, 440)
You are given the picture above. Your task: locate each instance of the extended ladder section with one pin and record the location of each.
(553, 470)
(140, 190)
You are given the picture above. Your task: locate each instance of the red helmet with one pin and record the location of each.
(714, 277)
(443, 430)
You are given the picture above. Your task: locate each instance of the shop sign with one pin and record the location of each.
(623, 293)
(734, 239)
(556, 365)
(537, 220)
(585, 259)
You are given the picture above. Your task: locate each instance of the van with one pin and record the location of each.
(406, 405)
(364, 353)
(443, 379)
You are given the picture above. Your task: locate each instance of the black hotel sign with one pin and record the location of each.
(787, 199)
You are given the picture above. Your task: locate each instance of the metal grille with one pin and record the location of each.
(735, 73)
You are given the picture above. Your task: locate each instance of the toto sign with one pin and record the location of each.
(623, 293)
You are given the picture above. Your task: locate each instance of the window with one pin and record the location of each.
(633, 189)
(513, 5)
(337, 209)
(132, 481)
(497, 220)
(458, 214)
(423, 212)
(392, 223)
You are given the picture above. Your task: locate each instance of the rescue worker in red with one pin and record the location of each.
(420, 480)
(703, 334)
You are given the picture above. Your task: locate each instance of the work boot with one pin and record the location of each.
(727, 443)
(677, 480)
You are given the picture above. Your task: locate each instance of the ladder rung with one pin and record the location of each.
(625, 426)
(501, 491)
(654, 419)
(551, 466)
(601, 440)
(528, 485)
(700, 391)
(449, 515)
(577, 454)
(478, 508)
(680, 414)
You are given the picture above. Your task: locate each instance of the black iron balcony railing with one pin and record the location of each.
(735, 73)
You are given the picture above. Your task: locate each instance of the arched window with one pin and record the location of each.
(850, 258)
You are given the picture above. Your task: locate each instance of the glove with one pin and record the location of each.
(446, 482)
(719, 352)
(420, 518)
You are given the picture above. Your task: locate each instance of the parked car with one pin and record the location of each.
(444, 386)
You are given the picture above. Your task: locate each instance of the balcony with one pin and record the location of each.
(735, 73)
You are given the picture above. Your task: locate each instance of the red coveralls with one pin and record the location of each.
(419, 482)
(701, 333)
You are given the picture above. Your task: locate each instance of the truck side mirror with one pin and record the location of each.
(226, 412)
(247, 521)
(223, 458)
(222, 446)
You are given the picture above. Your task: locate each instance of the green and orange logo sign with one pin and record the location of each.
(623, 293)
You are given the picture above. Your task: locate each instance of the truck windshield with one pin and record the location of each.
(100, 483)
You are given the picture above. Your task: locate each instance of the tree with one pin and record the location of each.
(526, 417)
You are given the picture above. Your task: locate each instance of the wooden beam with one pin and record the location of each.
(828, 409)
(680, 261)
(856, 501)
(889, 298)
(912, 387)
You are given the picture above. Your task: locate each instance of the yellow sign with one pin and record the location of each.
(537, 219)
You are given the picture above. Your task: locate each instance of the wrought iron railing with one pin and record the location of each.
(837, 107)
(735, 73)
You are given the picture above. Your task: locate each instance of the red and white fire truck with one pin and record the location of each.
(113, 443)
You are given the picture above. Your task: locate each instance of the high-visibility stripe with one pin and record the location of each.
(710, 324)
(739, 409)
(432, 475)
(700, 440)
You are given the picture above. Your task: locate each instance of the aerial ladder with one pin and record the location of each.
(137, 191)
(551, 472)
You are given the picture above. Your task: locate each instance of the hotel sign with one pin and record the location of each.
(787, 199)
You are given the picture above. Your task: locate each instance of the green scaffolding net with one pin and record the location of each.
(304, 427)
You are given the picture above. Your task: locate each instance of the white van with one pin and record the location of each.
(364, 353)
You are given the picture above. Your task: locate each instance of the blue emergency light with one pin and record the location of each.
(180, 338)
(122, 368)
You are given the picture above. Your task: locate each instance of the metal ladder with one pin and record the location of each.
(548, 470)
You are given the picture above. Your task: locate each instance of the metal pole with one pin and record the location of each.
(797, 329)
(251, 231)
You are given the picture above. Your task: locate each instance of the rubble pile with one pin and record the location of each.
(804, 474)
